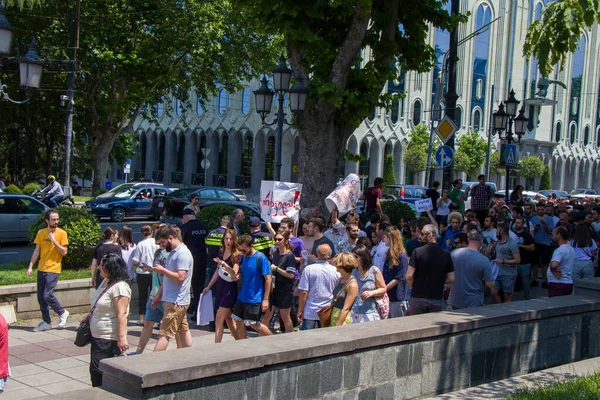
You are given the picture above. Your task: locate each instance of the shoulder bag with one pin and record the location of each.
(325, 312)
(382, 304)
(84, 333)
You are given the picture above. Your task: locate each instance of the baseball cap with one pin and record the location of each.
(188, 211)
(253, 221)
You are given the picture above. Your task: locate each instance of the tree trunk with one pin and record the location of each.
(101, 152)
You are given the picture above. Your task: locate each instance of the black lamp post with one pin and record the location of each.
(502, 119)
(30, 65)
(264, 100)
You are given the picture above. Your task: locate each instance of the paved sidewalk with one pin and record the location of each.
(505, 387)
(48, 363)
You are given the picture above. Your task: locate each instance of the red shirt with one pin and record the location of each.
(373, 193)
(3, 347)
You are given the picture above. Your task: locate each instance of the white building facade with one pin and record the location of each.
(238, 151)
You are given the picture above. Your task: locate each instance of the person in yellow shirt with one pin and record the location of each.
(50, 246)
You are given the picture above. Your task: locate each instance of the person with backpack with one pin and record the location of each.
(253, 297)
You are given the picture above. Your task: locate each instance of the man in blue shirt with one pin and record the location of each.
(543, 226)
(253, 299)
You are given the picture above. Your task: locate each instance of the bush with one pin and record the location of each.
(12, 189)
(396, 209)
(83, 231)
(211, 216)
(30, 188)
(389, 178)
(99, 192)
(545, 181)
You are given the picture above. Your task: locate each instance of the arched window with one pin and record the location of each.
(224, 100)
(247, 157)
(586, 136)
(458, 116)
(224, 155)
(417, 108)
(558, 133)
(363, 167)
(159, 109)
(476, 120)
(199, 108)
(373, 114)
(395, 111)
(177, 106)
(246, 100)
(576, 80)
(481, 51)
(573, 134)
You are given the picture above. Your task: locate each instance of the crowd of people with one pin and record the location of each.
(317, 272)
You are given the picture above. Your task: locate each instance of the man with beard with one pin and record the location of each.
(350, 241)
(526, 247)
(507, 259)
(528, 212)
(50, 246)
(542, 235)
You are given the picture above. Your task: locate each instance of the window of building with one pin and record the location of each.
(177, 106)
(573, 134)
(586, 136)
(481, 58)
(395, 111)
(159, 109)
(199, 108)
(224, 155)
(363, 167)
(247, 157)
(598, 137)
(373, 114)
(417, 109)
(558, 133)
(479, 89)
(458, 116)
(476, 120)
(224, 101)
(246, 100)
(577, 70)
(270, 159)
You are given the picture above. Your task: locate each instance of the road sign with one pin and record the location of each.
(127, 168)
(205, 164)
(511, 155)
(446, 129)
(205, 151)
(444, 156)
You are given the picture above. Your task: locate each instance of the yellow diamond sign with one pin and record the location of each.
(446, 129)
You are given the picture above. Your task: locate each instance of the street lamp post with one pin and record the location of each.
(503, 124)
(264, 100)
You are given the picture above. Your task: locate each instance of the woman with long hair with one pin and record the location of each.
(346, 291)
(517, 195)
(370, 285)
(443, 208)
(125, 241)
(283, 266)
(108, 246)
(108, 324)
(228, 266)
(585, 251)
(394, 273)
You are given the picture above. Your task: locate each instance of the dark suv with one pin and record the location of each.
(407, 193)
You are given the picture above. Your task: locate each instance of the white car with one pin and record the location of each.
(535, 196)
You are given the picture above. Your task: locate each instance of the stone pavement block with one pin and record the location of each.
(332, 374)
(14, 385)
(25, 349)
(409, 359)
(40, 380)
(81, 372)
(40, 356)
(64, 333)
(384, 366)
(27, 369)
(351, 371)
(15, 361)
(309, 375)
(29, 336)
(12, 342)
(61, 364)
(85, 358)
(62, 387)
(385, 391)
(74, 351)
(26, 393)
(57, 344)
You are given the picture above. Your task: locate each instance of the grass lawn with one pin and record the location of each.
(15, 273)
(581, 388)
(82, 199)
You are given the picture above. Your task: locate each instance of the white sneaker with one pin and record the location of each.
(62, 319)
(43, 326)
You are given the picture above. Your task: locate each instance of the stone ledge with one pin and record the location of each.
(199, 362)
(9, 290)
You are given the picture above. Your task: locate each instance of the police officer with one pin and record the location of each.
(262, 240)
(194, 232)
(213, 246)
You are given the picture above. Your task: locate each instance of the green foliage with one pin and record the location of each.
(211, 215)
(12, 189)
(415, 155)
(14, 274)
(30, 188)
(557, 33)
(578, 388)
(83, 231)
(99, 192)
(531, 167)
(353, 157)
(396, 209)
(470, 153)
(546, 183)
(389, 178)
(495, 167)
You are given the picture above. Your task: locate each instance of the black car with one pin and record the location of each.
(173, 212)
(212, 194)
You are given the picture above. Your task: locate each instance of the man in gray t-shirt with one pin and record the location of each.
(507, 258)
(471, 270)
(175, 290)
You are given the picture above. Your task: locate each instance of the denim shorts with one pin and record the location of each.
(506, 283)
(154, 314)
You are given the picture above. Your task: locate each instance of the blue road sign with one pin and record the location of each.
(511, 155)
(444, 156)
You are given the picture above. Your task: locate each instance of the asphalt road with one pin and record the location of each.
(15, 252)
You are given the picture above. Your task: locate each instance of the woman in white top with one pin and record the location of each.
(128, 246)
(585, 251)
(443, 208)
(108, 324)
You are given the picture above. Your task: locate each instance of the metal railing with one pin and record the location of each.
(158, 176)
(198, 179)
(139, 175)
(177, 177)
(243, 182)
(219, 180)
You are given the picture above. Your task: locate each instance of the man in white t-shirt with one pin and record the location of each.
(143, 257)
(175, 290)
(316, 287)
(559, 275)
(382, 248)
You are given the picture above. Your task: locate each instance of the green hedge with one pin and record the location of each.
(396, 209)
(99, 192)
(12, 189)
(30, 188)
(83, 231)
(211, 215)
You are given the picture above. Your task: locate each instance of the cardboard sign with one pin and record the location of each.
(279, 200)
(204, 312)
(345, 195)
(424, 205)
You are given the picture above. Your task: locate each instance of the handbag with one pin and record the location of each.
(84, 333)
(324, 313)
(383, 306)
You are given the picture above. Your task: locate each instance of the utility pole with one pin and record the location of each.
(451, 95)
(74, 46)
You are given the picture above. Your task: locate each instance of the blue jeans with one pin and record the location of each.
(46, 282)
(54, 200)
(308, 324)
(523, 270)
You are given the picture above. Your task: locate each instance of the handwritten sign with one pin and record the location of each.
(345, 195)
(278, 200)
(423, 205)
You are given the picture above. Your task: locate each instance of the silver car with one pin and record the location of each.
(17, 213)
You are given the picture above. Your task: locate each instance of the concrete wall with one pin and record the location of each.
(400, 358)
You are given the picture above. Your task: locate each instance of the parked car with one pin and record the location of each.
(560, 194)
(173, 212)
(126, 200)
(534, 196)
(239, 193)
(583, 191)
(406, 193)
(17, 213)
(182, 196)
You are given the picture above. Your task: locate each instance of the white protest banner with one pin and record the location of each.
(278, 200)
(345, 195)
(423, 205)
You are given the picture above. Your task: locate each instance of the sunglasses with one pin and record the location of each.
(278, 239)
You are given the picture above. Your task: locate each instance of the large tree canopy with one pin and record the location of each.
(345, 51)
(557, 33)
